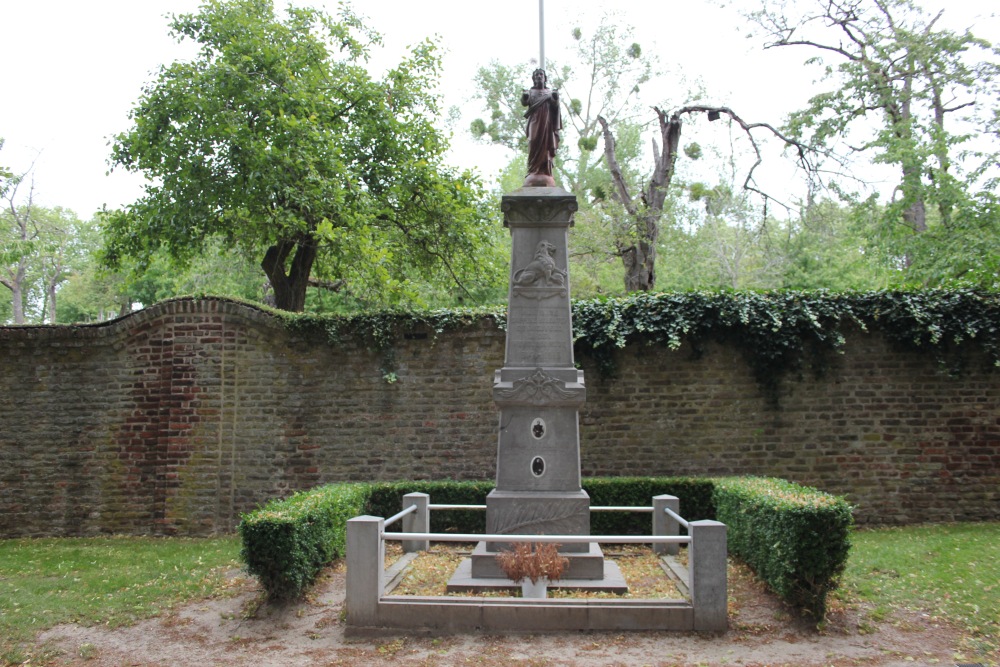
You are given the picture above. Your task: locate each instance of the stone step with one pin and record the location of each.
(587, 565)
(612, 581)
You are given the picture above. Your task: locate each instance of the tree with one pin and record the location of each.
(277, 141)
(913, 95)
(20, 233)
(64, 244)
(600, 94)
(41, 248)
(644, 210)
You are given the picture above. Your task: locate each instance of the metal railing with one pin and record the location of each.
(563, 539)
(396, 517)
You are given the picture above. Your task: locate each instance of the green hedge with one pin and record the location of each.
(795, 538)
(287, 542)
(387, 498)
(695, 496)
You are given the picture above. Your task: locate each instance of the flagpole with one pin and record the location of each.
(541, 34)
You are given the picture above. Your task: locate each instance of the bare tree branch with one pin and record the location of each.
(616, 172)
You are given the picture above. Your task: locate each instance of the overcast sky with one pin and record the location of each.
(74, 69)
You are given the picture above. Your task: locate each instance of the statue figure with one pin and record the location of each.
(544, 123)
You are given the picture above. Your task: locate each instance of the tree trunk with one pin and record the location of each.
(50, 298)
(15, 283)
(290, 286)
(17, 302)
(640, 267)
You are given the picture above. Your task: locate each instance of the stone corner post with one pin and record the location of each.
(708, 578)
(664, 524)
(418, 521)
(365, 572)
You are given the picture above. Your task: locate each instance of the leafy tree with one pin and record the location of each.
(20, 234)
(41, 248)
(644, 204)
(276, 141)
(600, 95)
(828, 247)
(910, 94)
(64, 244)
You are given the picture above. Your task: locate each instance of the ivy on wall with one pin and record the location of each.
(379, 330)
(776, 332)
(781, 332)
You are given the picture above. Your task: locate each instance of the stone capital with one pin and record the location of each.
(538, 207)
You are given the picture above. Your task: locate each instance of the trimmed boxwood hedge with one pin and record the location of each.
(695, 495)
(287, 542)
(795, 538)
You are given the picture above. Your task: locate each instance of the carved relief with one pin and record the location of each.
(538, 388)
(541, 271)
(532, 518)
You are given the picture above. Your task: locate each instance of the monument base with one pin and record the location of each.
(538, 513)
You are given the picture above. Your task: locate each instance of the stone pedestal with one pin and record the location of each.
(539, 391)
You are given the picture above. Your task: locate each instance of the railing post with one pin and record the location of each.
(664, 524)
(365, 569)
(416, 522)
(707, 575)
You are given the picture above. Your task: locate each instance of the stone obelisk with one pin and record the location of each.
(539, 391)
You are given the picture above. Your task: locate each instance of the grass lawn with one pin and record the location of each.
(106, 580)
(953, 570)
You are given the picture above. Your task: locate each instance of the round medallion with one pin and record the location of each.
(538, 466)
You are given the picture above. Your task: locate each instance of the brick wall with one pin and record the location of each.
(176, 419)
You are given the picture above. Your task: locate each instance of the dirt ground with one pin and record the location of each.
(238, 629)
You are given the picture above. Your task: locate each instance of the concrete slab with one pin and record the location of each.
(677, 572)
(464, 614)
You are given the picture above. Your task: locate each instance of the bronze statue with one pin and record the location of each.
(544, 123)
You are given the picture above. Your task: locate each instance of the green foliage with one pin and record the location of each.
(41, 249)
(276, 141)
(780, 332)
(695, 494)
(499, 87)
(380, 330)
(963, 252)
(287, 542)
(904, 91)
(796, 539)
